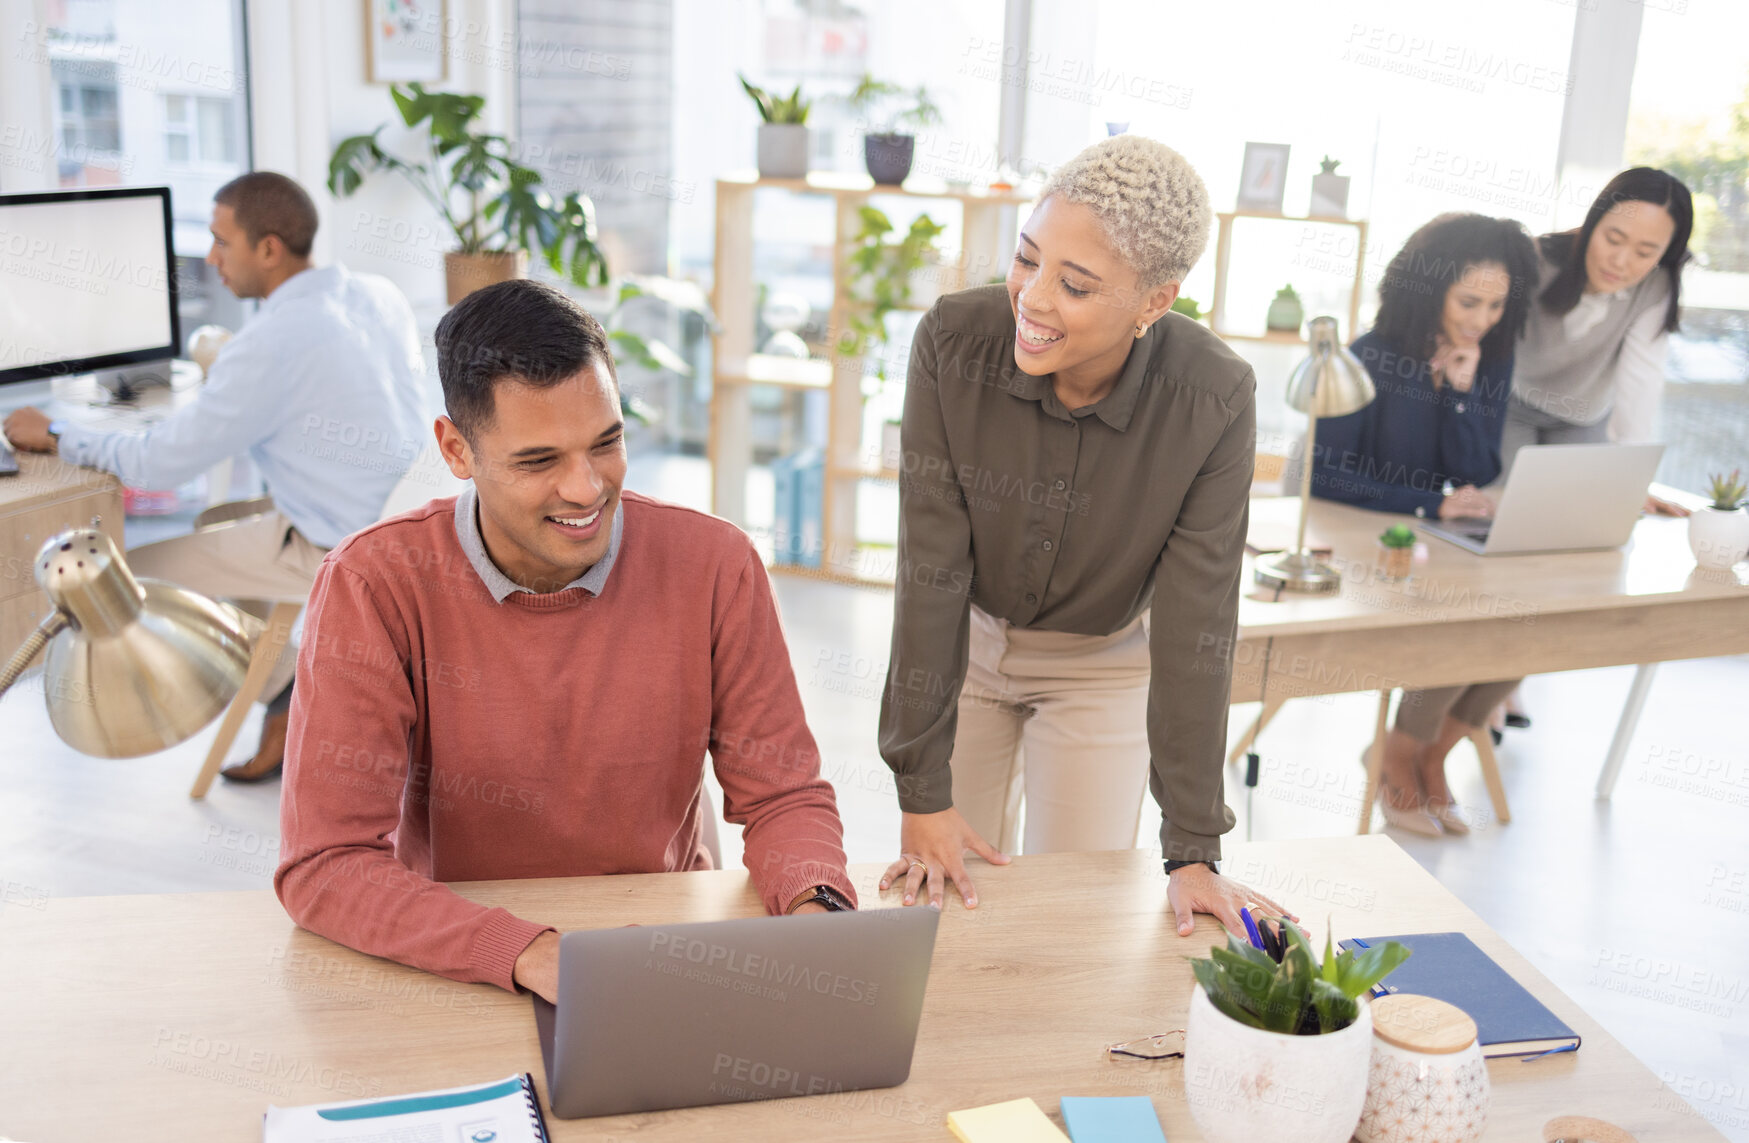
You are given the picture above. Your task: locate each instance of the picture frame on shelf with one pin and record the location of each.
(1263, 177)
(404, 41)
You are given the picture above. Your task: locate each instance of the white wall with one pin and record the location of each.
(310, 92)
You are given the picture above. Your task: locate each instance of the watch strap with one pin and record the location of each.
(834, 901)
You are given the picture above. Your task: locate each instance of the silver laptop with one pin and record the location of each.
(663, 1016)
(1561, 498)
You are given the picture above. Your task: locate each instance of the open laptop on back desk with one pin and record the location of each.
(661, 1016)
(1561, 498)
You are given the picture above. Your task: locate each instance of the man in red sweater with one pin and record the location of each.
(522, 681)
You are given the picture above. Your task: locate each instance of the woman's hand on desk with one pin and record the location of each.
(1467, 501)
(28, 430)
(932, 849)
(1657, 507)
(1198, 889)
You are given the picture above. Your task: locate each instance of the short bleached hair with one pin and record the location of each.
(1149, 200)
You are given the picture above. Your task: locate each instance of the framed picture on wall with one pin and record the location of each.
(1263, 179)
(403, 41)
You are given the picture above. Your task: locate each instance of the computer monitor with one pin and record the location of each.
(88, 284)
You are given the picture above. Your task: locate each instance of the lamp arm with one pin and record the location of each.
(1306, 478)
(51, 626)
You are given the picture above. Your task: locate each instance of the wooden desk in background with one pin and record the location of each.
(1464, 618)
(182, 1017)
(47, 496)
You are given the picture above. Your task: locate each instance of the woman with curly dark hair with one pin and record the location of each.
(1451, 308)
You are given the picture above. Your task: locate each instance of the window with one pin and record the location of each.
(89, 119)
(1689, 115)
(198, 129)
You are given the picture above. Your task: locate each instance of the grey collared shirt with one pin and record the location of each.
(1072, 521)
(467, 532)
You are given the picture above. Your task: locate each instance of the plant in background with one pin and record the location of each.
(881, 277)
(492, 203)
(649, 352)
(1298, 996)
(1398, 536)
(1189, 307)
(886, 107)
(1728, 492)
(1327, 165)
(791, 109)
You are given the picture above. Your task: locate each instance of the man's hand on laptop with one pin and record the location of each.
(1657, 507)
(932, 849)
(537, 969)
(1466, 502)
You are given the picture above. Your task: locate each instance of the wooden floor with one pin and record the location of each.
(1638, 908)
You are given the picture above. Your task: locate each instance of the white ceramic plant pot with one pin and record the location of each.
(782, 150)
(1245, 1085)
(1718, 539)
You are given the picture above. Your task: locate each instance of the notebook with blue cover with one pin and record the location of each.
(1449, 967)
(1111, 1119)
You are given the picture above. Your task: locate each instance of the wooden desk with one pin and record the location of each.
(182, 1017)
(47, 496)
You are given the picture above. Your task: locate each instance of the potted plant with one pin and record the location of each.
(1286, 314)
(1719, 533)
(883, 277)
(888, 151)
(1397, 547)
(493, 205)
(782, 147)
(1280, 1050)
(1329, 190)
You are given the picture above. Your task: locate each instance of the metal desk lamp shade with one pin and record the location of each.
(134, 665)
(1330, 382)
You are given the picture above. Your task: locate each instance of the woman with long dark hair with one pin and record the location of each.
(1451, 307)
(1591, 365)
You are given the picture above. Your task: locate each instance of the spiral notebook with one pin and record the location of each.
(504, 1112)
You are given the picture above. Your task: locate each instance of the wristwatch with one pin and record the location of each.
(56, 428)
(834, 901)
(1171, 865)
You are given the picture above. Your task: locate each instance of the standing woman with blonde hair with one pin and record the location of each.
(1073, 505)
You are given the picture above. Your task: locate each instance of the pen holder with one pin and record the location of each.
(1428, 1082)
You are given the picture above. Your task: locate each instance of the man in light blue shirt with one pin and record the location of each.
(323, 389)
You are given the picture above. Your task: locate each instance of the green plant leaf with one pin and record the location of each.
(353, 159)
(1336, 1009)
(1359, 972)
(1217, 988)
(760, 99)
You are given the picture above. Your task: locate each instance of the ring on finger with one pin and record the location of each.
(916, 864)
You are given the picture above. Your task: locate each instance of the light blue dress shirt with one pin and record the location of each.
(324, 389)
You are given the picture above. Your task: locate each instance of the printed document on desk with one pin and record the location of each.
(504, 1112)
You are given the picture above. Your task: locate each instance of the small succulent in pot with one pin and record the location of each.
(1728, 492)
(1297, 996)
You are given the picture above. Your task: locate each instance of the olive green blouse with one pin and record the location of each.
(1073, 521)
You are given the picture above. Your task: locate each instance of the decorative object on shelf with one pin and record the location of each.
(1263, 178)
(885, 107)
(1427, 1082)
(785, 313)
(882, 277)
(1719, 533)
(1330, 382)
(404, 41)
(493, 205)
(799, 486)
(1116, 126)
(204, 344)
(134, 666)
(1397, 551)
(1258, 1024)
(1189, 307)
(782, 146)
(1329, 190)
(1286, 314)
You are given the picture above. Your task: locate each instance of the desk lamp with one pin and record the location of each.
(134, 665)
(1330, 382)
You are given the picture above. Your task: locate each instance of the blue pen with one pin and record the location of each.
(1251, 928)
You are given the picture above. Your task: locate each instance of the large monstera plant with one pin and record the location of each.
(491, 202)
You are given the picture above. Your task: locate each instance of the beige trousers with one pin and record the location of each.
(255, 562)
(1061, 720)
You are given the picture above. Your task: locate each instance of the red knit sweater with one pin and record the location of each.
(437, 735)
